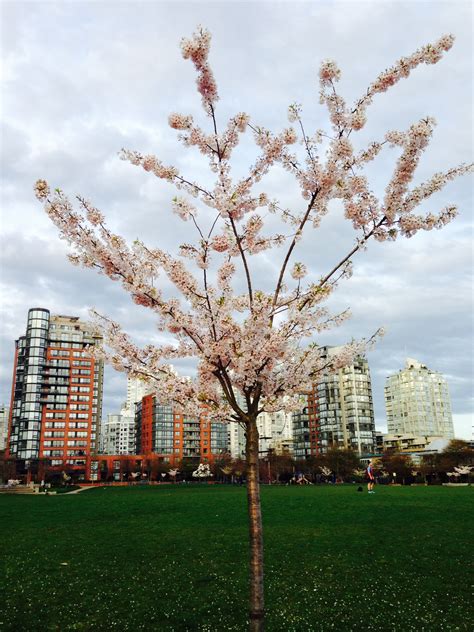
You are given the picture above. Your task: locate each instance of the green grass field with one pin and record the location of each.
(175, 558)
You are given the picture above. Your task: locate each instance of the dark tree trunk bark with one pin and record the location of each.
(255, 530)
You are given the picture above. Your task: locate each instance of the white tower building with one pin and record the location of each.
(417, 402)
(275, 431)
(136, 390)
(4, 414)
(118, 435)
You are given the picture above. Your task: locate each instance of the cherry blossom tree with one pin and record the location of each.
(203, 471)
(256, 349)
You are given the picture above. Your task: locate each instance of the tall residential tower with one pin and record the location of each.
(417, 402)
(338, 413)
(56, 400)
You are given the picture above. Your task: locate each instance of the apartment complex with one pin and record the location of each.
(136, 390)
(4, 415)
(417, 402)
(236, 440)
(411, 443)
(56, 400)
(275, 432)
(118, 434)
(302, 448)
(172, 436)
(338, 412)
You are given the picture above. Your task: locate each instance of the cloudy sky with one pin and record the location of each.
(81, 80)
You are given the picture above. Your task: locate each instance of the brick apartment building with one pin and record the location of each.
(173, 437)
(56, 400)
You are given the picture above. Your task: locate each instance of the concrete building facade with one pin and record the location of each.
(275, 431)
(275, 434)
(236, 440)
(118, 435)
(136, 390)
(417, 402)
(4, 415)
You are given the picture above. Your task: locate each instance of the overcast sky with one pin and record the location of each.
(81, 80)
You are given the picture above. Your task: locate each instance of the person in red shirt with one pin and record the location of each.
(371, 478)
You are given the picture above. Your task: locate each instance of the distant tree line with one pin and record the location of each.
(334, 466)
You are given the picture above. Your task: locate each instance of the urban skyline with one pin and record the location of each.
(262, 208)
(56, 412)
(421, 289)
(136, 389)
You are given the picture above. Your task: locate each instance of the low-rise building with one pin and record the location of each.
(415, 446)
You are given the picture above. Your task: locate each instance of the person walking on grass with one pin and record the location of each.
(371, 478)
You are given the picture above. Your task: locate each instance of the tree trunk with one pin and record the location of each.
(255, 530)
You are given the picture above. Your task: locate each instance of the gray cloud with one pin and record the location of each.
(83, 80)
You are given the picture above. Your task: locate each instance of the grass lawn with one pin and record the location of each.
(175, 558)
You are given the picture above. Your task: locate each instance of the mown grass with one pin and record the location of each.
(175, 558)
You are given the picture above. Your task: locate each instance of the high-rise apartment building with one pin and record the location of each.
(118, 435)
(338, 412)
(301, 435)
(417, 402)
(4, 415)
(173, 437)
(136, 390)
(57, 391)
(275, 432)
(236, 440)
(236, 433)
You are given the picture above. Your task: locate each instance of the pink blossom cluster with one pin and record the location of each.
(220, 243)
(252, 229)
(183, 207)
(329, 72)
(429, 54)
(171, 174)
(368, 154)
(299, 271)
(218, 147)
(434, 184)
(94, 216)
(411, 224)
(180, 121)
(416, 140)
(41, 190)
(197, 49)
(150, 163)
(224, 276)
(339, 114)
